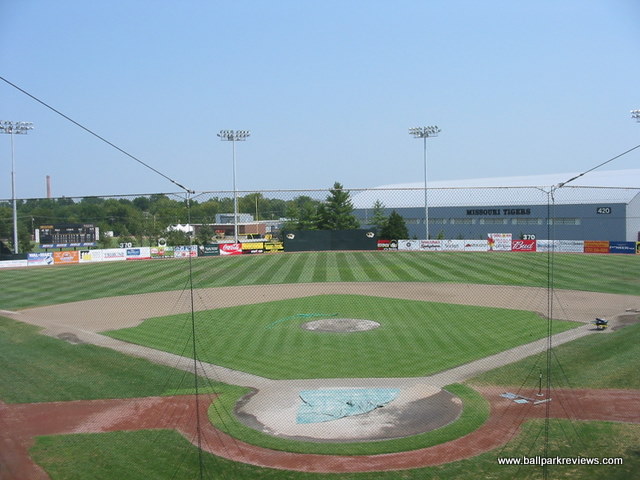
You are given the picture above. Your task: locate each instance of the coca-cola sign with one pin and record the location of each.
(523, 245)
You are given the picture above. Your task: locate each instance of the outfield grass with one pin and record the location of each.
(415, 338)
(28, 287)
(166, 455)
(602, 360)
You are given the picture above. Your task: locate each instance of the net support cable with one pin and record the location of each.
(100, 137)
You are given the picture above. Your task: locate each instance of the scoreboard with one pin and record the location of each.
(70, 235)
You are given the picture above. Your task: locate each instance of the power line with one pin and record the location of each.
(88, 130)
(562, 184)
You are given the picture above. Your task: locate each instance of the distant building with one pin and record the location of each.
(602, 205)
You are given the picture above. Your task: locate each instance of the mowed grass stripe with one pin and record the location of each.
(270, 269)
(389, 269)
(295, 266)
(308, 267)
(504, 272)
(320, 268)
(403, 268)
(247, 339)
(441, 268)
(373, 274)
(37, 286)
(345, 272)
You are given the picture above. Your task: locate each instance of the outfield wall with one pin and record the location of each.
(498, 243)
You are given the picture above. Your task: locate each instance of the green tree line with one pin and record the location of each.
(143, 219)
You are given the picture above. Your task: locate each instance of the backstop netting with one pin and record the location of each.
(385, 333)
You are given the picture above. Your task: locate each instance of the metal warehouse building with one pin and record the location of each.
(602, 205)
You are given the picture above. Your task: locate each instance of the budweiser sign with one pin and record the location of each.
(523, 245)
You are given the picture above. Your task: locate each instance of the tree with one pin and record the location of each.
(302, 213)
(205, 235)
(394, 228)
(378, 219)
(337, 211)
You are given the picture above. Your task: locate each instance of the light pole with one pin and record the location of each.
(234, 136)
(635, 114)
(424, 133)
(11, 128)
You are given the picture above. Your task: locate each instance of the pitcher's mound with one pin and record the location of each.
(340, 325)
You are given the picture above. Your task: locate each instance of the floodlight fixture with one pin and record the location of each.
(234, 136)
(635, 114)
(424, 133)
(14, 128)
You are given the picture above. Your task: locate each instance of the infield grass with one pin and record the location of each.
(414, 339)
(35, 286)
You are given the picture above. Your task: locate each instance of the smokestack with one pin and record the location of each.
(48, 186)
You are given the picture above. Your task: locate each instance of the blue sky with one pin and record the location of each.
(328, 90)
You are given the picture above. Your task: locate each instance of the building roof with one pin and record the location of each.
(610, 186)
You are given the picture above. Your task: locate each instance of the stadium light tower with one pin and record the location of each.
(635, 114)
(424, 133)
(234, 136)
(17, 128)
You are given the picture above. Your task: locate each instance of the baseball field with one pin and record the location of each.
(98, 362)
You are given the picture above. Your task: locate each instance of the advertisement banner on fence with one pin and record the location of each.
(67, 257)
(211, 249)
(570, 246)
(114, 254)
(42, 258)
(499, 242)
(453, 245)
(596, 246)
(273, 246)
(430, 245)
(560, 246)
(523, 245)
(252, 247)
(161, 252)
(13, 263)
(185, 251)
(387, 244)
(408, 245)
(622, 247)
(90, 256)
(475, 245)
(141, 253)
(230, 249)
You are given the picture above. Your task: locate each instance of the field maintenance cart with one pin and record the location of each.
(601, 323)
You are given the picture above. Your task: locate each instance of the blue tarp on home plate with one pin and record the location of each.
(326, 405)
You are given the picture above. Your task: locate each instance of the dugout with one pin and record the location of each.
(320, 240)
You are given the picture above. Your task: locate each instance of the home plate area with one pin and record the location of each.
(350, 414)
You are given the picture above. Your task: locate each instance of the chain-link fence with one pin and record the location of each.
(305, 333)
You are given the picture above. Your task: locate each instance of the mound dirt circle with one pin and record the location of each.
(417, 409)
(340, 325)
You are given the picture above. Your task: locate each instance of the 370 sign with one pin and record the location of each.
(523, 245)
